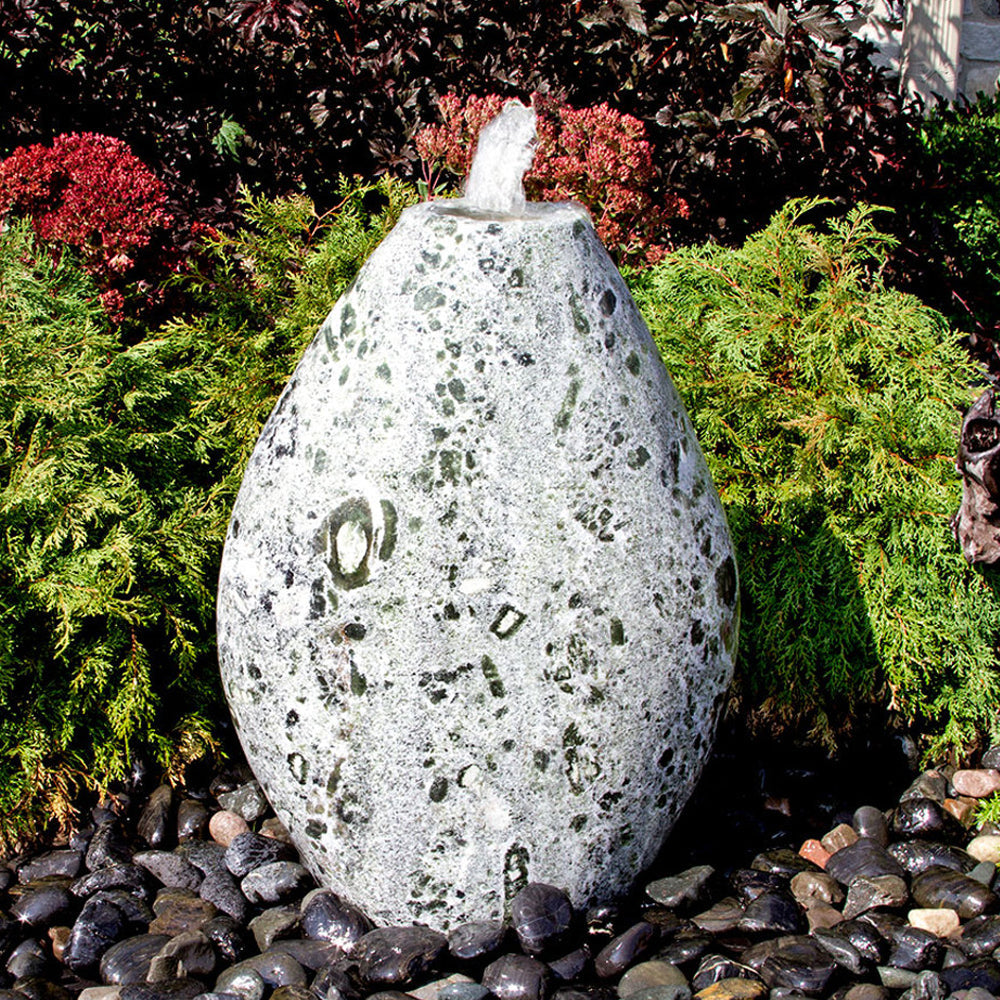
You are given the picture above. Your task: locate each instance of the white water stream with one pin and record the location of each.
(503, 155)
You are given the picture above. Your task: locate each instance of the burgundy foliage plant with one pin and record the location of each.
(596, 156)
(88, 192)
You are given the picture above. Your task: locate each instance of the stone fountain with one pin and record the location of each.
(478, 604)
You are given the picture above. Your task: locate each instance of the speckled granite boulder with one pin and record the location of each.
(477, 610)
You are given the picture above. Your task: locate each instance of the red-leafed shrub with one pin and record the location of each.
(89, 192)
(597, 156)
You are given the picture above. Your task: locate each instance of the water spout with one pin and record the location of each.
(504, 153)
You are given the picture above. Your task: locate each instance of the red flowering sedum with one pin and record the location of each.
(597, 156)
(89, 192)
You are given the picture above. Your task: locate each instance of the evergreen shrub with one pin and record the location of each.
(109, 529)
(828, 407)
(118, 468)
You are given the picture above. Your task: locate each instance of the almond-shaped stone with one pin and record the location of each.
(478, 603)
(918, 855)
(985, 847)
(938, 920)
(976, 782)
(941, 887)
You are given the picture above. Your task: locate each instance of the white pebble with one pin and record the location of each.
(939, 921)
(985, 847)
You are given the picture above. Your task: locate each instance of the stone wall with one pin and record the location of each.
(947, 48)
(979, 49)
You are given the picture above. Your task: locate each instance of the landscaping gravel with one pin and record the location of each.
(775, 883)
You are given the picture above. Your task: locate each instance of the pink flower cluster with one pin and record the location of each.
(597, 156)
(89, 192)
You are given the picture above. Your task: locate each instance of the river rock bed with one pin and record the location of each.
(776, 883)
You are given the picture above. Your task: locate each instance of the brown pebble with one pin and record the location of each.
(977, 782)
(650, 974)
(59, 936)
(810, 887)
(100, 993)
(778, 803)
(180, 910)
(814, 851)
(276, 830)
(840, 836)
(962, 808)
(866, 991)
(821, 914)
(732, 989)
(225, 826)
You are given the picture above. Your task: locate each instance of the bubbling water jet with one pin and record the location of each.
(503, 155)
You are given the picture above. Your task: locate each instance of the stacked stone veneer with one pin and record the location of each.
(941, 48)
(979, 48)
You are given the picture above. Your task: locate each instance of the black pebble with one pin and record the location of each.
(571, 966)
(775, 912)
(169, 868)
(864, 857)
(624, 950)
(249, 851)
(915, 949)
(714, 968)
(128, 960)
(395, 955)
(542, 916)
(154, 823)
(943, 887)
(325, 917)
(98, 926)
(918, 855)
(107, 847)
(870, 822)
(783, 861)
(29, 958)
(517, 977)
(39, 988)
(232, 940)
(749, 883)
(980, 936)
(979, 972)
(45, 906)
(192, 820)
(60, 862)
(685, 946)
(843, 951)
(921, 817)
(129, 877)
(476, 939)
